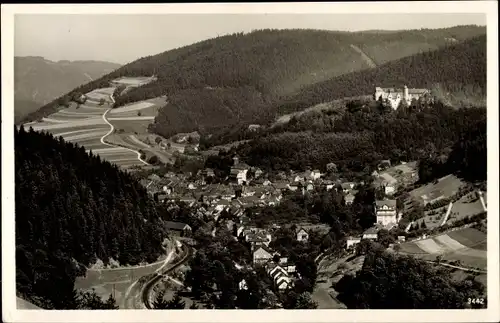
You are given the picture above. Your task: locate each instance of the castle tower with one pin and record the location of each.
(406, 96)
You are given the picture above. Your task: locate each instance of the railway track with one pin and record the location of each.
(151, 283)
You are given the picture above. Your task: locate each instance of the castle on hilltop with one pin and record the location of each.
(394, 96)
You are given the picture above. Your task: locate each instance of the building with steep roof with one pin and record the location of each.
(395, 96)
(386, 213)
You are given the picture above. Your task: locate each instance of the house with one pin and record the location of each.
(386, 183)
(315, 174)
(385, 211)
(347, 187)
(384, 164)
(279, 276)
(178, 228)
(239, 171)
(349, 199)
(162, 197)
(289, 267)
(280, 186)
(262, 255)
(258, 172)
(352, 241)
(208, 172)
(154, 178)
(401, 238)
(395, 96)
(258, 239)
(371, 233)
(302, 234)
(242, 285)
(328, 184)
(283, 282)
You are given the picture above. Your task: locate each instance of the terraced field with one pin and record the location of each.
(466, 245)
(113, 134)
(87, 125)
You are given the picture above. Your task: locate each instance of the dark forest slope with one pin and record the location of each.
(71, 209)
(241, 76)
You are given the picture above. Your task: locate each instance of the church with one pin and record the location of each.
(394, 95)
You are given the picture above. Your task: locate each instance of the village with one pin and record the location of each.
(249, 187)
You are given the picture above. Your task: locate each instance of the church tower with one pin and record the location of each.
(406, 96)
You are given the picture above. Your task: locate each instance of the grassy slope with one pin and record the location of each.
(38, 81)
(246, 73)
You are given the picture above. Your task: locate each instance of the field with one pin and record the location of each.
(465, 245)
(444, 188)
(84, 124)
(467, 205)
(133, 81)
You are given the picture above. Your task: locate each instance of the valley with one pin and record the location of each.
(274, 169)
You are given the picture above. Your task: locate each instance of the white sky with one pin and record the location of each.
(124, 38)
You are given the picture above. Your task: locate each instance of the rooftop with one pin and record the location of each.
(176, 225)
(388, 203)
(371, 230)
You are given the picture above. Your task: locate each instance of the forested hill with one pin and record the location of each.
(458, 68)
(72, 209)
(455, 74)
(239, 78)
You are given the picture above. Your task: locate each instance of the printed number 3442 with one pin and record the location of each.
(475, 301)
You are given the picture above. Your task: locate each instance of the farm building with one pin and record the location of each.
(178, 228)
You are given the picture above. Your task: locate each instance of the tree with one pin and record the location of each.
(102, 101)
(193, 306)
(160, 302)
(153, 160)
(385, 238)
(299, 301)
(90, 301)
(91, 200)
(158, 140)
(139, 113)
(393, 281)
(176, 303)
(331, 168)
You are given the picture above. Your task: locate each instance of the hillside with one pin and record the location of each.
(72, 209)
(458, 68)
(455, 74)
(38, 81)
(242, 76)
(362, 138)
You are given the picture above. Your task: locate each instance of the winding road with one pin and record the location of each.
(152, 282)
(103, 141)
